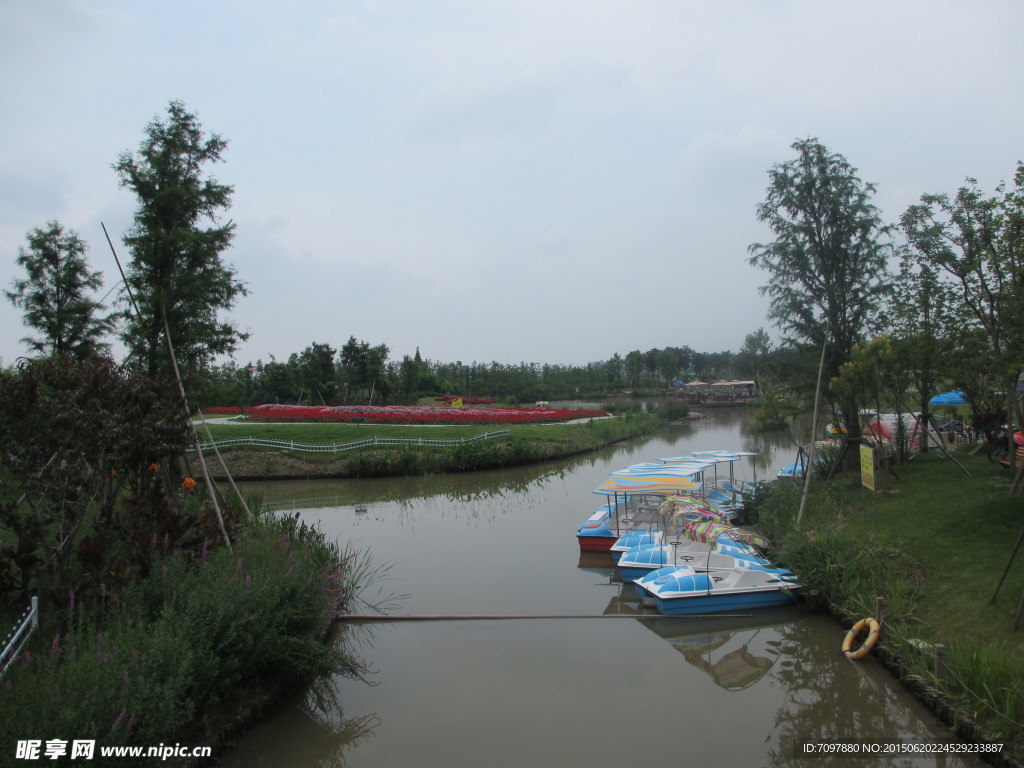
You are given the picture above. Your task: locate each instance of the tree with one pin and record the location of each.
(827, 263)
(977, 242)
(315, 369)
(754, 354)
(55, 294)
(176, 278)
(83, 440)
(923, 329)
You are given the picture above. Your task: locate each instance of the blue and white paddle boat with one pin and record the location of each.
(634, 495)
(718, 556)
(685, 591)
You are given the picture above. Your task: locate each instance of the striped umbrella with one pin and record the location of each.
(709, 531)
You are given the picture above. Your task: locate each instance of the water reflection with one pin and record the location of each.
(735, 652)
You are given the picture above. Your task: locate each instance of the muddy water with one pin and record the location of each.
(744, 691)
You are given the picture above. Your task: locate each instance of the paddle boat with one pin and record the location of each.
(634, 493)
(634, 496)
(718, 556)
(681, 591)
(600, 531)
(675, 512)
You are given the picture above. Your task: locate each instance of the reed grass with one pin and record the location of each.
(165, 658)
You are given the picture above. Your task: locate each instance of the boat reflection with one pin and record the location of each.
(734, 651)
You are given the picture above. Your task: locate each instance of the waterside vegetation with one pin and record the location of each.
(934, 546)
(525, 444)
(176, 655)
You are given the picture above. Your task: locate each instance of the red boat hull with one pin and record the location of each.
(596, 543)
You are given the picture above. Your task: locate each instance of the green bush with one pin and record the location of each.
(144, 665)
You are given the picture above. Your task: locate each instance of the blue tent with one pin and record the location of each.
(949, 398)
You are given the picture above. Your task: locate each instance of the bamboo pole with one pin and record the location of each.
(211, 491)
(814, 430)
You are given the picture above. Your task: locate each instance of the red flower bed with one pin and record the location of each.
(418, 414)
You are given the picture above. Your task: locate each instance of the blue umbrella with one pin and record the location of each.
(949, 398)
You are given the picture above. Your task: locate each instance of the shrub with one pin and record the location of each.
(160, 656)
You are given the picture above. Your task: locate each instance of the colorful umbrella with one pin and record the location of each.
(709, 531)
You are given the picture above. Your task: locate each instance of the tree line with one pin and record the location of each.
(359, 372)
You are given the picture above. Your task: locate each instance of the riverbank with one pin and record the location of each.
(525, 444)
(191, 652)
(933, 542)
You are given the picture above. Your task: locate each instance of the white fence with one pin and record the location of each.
(371, 442)
(17, 637)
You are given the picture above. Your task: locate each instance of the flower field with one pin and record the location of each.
(405, 414)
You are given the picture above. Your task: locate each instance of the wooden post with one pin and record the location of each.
(880, 603)
(940, 662)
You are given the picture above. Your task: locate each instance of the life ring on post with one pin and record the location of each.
(873, 628)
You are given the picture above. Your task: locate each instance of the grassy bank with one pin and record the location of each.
(180, 654)
(526, 443)
(934, 544)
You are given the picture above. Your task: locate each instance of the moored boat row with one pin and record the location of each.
(671, 534)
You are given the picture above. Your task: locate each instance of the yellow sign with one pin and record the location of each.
(457, 403)
(867, 466)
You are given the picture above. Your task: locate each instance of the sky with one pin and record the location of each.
(546, 181)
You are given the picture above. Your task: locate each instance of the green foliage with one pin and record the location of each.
(973, 241)
(775, 410)
(827, 266)
(55, 294)
(989, 680)
(772, 508)
(162, 655)
(672, 410)
(175, 273)
(78, 439)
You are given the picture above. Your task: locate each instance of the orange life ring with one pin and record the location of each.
(851, 637)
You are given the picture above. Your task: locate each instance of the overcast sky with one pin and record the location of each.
(545, 181)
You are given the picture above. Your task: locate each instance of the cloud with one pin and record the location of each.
(512, 180)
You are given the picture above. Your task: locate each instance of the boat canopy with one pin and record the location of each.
(648, 483)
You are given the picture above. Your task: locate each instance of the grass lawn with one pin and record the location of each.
(337, 433)
(343, 432)
(962, 530)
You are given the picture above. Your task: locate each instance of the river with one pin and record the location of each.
(749, 691)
